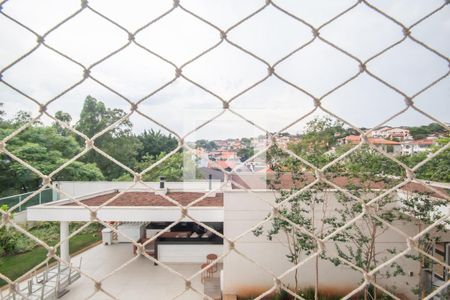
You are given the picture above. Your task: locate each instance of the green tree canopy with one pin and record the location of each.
(154, 142)
(438, 168)
(44, 149)
(423, 131)
(205, 144)
(321, 135)
(172, 169)
(64, 117)
(119, 142)
(21, 118)
(2, 112)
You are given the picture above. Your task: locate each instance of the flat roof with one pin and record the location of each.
(133, 206)
(151, 199)
(288, 181)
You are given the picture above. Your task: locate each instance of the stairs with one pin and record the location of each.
(51, 284)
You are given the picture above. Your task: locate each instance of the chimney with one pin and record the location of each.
(162, 181)
(210, 181)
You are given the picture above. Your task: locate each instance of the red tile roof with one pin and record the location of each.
(422, 142)
(222, 163)
(227, 154)
(355, 139)
(152, 199)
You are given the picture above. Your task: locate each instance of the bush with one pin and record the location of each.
(8, 241)
(13, 242)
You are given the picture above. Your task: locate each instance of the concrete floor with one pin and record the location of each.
(139, 280)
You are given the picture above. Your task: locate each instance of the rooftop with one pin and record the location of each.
(422, 142)
(376, 141)
(287, 181)
(151, 199)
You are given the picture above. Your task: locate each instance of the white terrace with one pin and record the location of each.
(141, 279)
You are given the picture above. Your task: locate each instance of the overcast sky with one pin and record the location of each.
(226, 70)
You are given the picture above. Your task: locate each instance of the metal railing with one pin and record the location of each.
(44, 196)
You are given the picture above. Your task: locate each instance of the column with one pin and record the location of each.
(64, 233)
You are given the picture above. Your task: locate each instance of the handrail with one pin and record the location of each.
(18, 195)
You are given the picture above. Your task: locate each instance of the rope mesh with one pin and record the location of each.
(228, 106)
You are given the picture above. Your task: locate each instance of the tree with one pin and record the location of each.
(321, 135)
(21, 118)
(423, 131)
(119, 142)
(438, 168)
(123, 148)
(154, 142)
(423, 210)
(246, 141)
(95, 117)
(2, 112)
(358, 242)
(8, 238)
(78, 171)
(246, 153)
(64, 117)
(301, 211)
(173, 169)
(368, 163)
(205, 144)
(44, 149)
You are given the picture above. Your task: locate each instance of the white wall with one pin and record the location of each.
(243, 278)
(123, 214)
(20, 217)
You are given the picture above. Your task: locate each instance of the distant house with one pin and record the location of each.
(142, 216)
(236, 144)
(380, 132)
(284, 141)
(412, 147)
(385, 145)
(221, 145)
(201, 158)
(226, 165)
(398, 133)
(227, 155)
(391, 133)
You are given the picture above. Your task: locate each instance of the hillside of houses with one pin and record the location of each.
(403, 141)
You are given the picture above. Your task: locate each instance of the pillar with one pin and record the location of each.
(64, 233)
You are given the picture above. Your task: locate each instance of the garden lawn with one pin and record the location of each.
(16, 265)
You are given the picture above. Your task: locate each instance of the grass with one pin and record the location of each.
(15, 266)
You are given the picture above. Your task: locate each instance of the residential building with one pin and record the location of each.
(380, 132)
(387, 146)
(201, 158)
(417, 146)
(387, 132)
(140, 215)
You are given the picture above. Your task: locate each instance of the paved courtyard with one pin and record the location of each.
(139, 280)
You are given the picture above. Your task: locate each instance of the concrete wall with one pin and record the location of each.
(20, 217)
(241, 277)
(81, 188)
